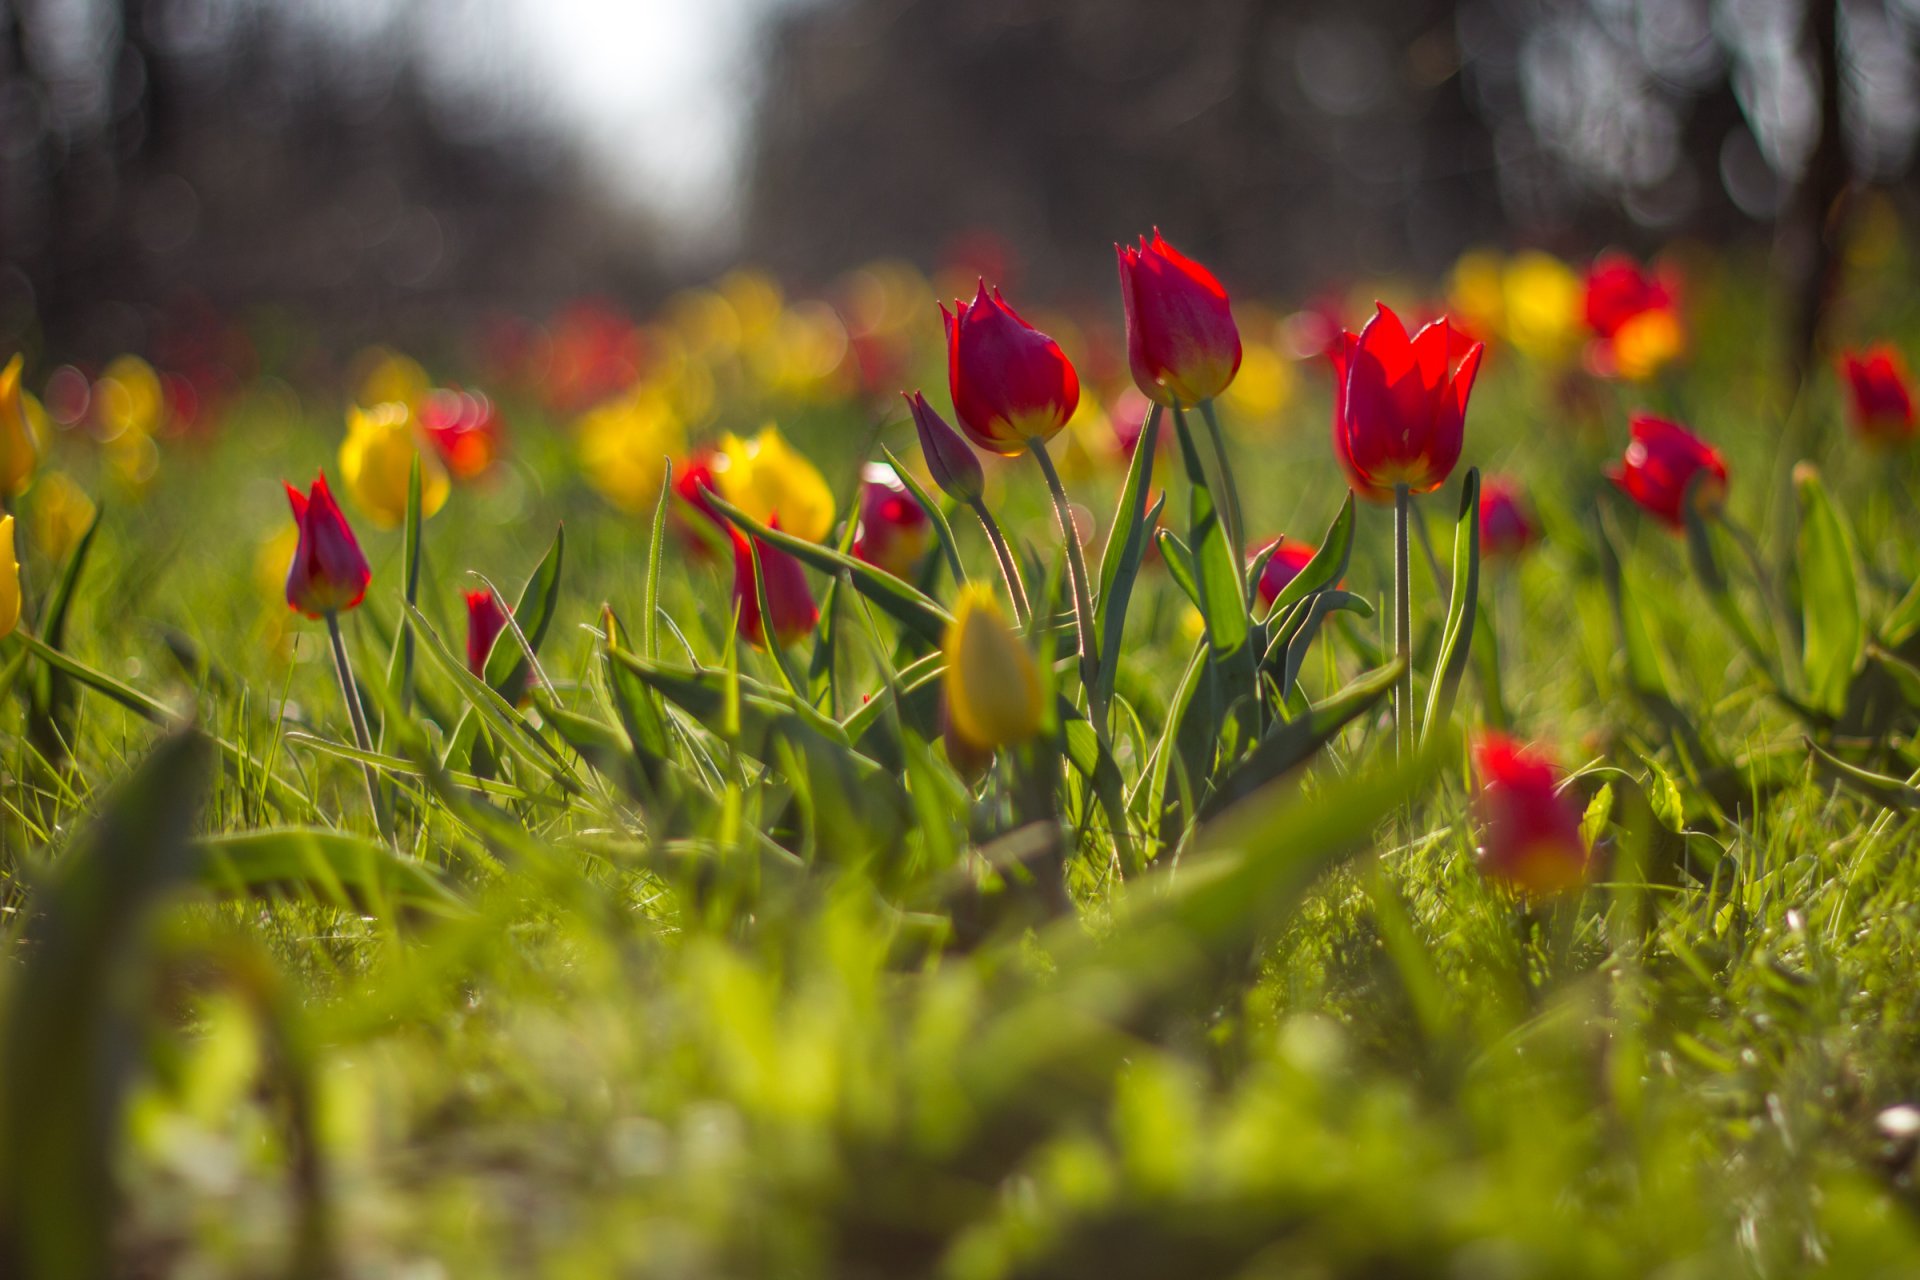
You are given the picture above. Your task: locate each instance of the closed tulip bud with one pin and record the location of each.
(950, 459)
(788, 596)
(486, 619)
(1010, 382)
(376, 463)
(894, 529)
(1182, 343)
(1661, 462)
(1529, 831)
(766, 474)
(328, 572)
(992, 685)
(1288, 559)
(1506, 526)
(9, 579)
(19, 451)
(1879, 395)
(1400, 404)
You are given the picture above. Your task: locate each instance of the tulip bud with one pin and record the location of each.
(949, 458)
(1182, 344)
(1400, 403)
(376, 462)
(992, 685)
(894, 529)
(486, 619)
(1506, 526)
(9, 579)
(19, 452)
(328, 572)
(1288, 559)
(1660, 463)
(788, 595)
(766, 474)
(1010, 382)
(1529, 832)
(1879, 395)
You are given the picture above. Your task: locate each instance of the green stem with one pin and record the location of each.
(343, 668)
(1009, 570)
(1236, 527)
(1082, 598)
(1402, 621)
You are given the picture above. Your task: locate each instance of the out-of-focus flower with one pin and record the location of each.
(1182, 343)
(788, 596)
(1635, 318)
(766, 474)
(464, 429)
(1529, 831)
(894, 529)
(486, 619)
(1506, 525)
(1260, 390)
(692, 482)
(271, 558)
(62, 512)
(992, 685)
(386, 376)
(376, 462)
(1476, 290)
(19, 451)
(1010, 382)
(624, 447)
(950, 460)
(1289, 558)
(1540, 306)
(9, 579)
(1400, 403)
(1661, 461)
(129, 399)
(1879, 394)
(328, 572)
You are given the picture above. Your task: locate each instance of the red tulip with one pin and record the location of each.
(949, 459)
(1661, 462)
(328, 572)
(1010, 382)
(485, 621)
(894, 528)
(1400, 403)
(1289, 558)
(1181, 340)
(464, 428)
(692, 482)
(788, 595)
(1879, 394)
(1530, 832)
(1506, 526)
(1618, 290)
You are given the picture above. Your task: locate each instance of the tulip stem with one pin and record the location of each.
(1236, 527)
(1402, 621)
(1009, 570)
(343, 668)
(1082, 598)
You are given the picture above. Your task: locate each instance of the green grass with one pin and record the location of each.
(629, 994)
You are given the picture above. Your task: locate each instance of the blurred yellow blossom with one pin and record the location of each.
(1263, 386)
(9, 579)
(128, 398)
(624, 446)
(1647, 343)
(376, 463)
(992, 684)
(765, 476)
(62, 512)
(19, 451)
(1476, 290)
(271, 560)
(1541, 298)
(388, 377)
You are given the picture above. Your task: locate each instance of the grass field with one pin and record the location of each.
(690, 958)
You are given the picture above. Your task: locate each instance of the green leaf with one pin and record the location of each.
(1893, 793)
(1179, 562)
(508, 663)
(52, 718)
(942, 527)
(1288, 745)
(1329, 563)
(340, 869)
(1216, 564)
(1835, 634)
(1457, 638)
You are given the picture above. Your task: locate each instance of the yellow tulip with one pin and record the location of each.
(624, 447)
(9, 579)
(376, 460)
(1542, 306)
(766, 476)
(62, 512)
(128, 398)
(1263, 386)
(19, 452)
(1474, 290)
(993, 688)
(388, 377)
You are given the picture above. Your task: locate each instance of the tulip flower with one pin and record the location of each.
(766, 474)
(62, 512)
(1661, 461)
(1010, 382)
(1182, 344)
(1400, 404)
(1506, 526)
(949, 459)
(1634, 316)
(624, 446)
(1288, 559)
(1541, 298)
(376, 461)
(1879, 395)
(992, 685)
(894, 529)
(19, 451)
(464, 429)
(1529, 831)
(486, 619)
(788, 595)
(9, 579)
(328, 572)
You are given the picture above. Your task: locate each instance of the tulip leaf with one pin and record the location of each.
(1893, 793)
(1456, 638)
(1290, 743)
(1328, 566)
(508, 664)
(341, 869)
(52, 711)
(1903, 623)
(1119, 571)
(400, 659)
(942, 527)
(1216, 564)
(1704, 555)
(635, 704)
(1835, 635)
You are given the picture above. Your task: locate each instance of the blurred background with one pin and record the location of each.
(378, 168)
